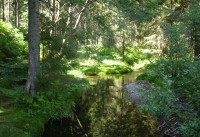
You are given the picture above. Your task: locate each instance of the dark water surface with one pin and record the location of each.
(104, 111)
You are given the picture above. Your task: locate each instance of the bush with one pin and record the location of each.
(107, 69)
(91, 71)
(12, 44)
(117, 69)
(135, 55)
(176, 95)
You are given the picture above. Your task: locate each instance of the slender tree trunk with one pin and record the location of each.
(34, 48)
(171, 4)
(80, 14)
(53, 17)
(18, 13)
(196, 41)
(17, 2)
(3, 10)
(54, 11)
(123, 45)
(8, 10)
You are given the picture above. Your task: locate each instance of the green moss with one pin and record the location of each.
(91, 71)
(152, 78)
(117, 69)
(107, 69)
(23, 116)
(18, 123)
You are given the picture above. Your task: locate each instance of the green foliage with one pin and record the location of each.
(133, 55)
(91, 71)
(101, 60)
(107, 53)
(54, 100)
(191, 129)
(13, 74)
(117, 69)
(16, 121)
(176, 78)
(176, 94)
(151, 77)
(12, 44)
(178, 44)
(107, 69)
(108, 39)
(56, 96)
(52, 66)
(55, 103)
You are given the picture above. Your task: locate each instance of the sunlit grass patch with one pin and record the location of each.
(1, 110)
(92, 71)
(88, 62)
(95, 61)
(76, 73)
(117, 69)
(106, 69)
(141, 64)
(113, 62)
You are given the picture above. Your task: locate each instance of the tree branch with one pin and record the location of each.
(87, 3)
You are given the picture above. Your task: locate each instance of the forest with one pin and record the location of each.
(64, 63)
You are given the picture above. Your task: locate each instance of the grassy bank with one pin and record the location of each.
(98, 60)
(24, 116)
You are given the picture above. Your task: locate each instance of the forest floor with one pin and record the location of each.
(24, 116)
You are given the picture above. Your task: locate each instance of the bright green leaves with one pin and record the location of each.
(12, 44)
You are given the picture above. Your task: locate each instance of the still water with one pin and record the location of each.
(104, 111)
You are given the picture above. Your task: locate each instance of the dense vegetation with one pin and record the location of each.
(91, 37)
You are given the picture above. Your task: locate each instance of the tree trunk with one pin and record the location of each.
(3, 10)
(197, 47)
(53, 17)
(16, 13)
(8, 10)
(123, 46)
(34, 48)
(195, 40)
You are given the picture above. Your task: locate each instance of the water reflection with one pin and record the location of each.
(104, 111)
(110, 114)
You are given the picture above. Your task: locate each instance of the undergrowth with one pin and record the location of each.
(175, 99)
(22, 115)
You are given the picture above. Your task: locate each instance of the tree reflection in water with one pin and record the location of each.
(105, 112)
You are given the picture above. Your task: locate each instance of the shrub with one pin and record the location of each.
(12, 44)
(91, 71)
(176, 95)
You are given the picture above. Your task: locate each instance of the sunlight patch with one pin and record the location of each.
(1, 111)
(112, 62)
(76, 73)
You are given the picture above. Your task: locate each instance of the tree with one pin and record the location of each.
(16, 9)
(3, 10)
(34, 48)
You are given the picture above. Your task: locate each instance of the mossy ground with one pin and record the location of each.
(24, 116)
(18, 123)
(107, 69)
(95, 61)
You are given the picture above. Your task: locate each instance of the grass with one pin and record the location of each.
(94, 61)
(24, 116)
